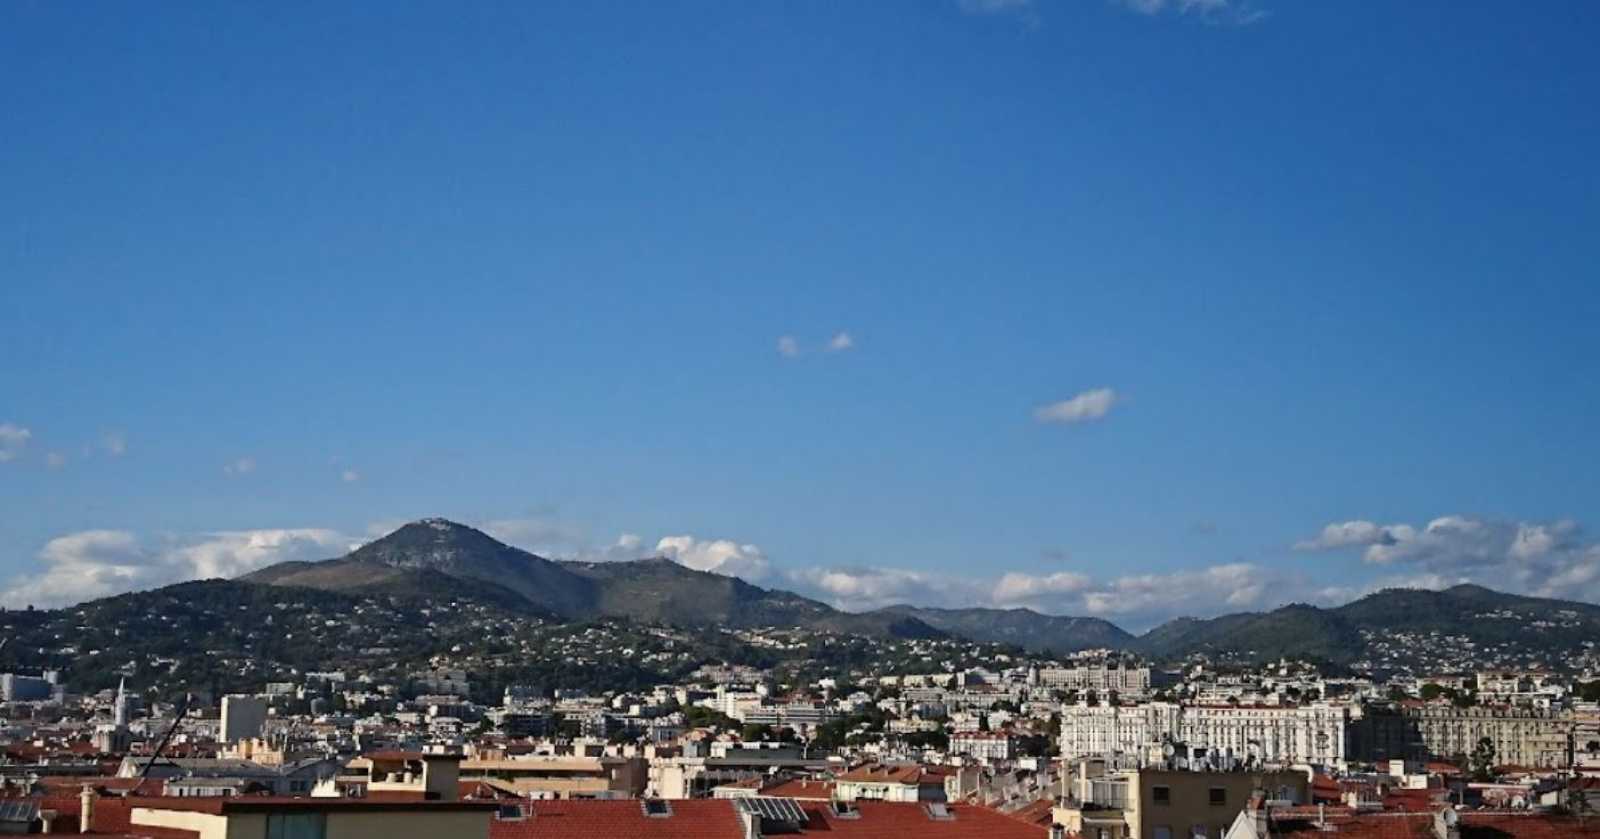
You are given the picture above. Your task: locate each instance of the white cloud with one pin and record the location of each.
(1547, 559)
(98, 563)
(1236, 12)
(1023, 589)
(1148, 598)
(1346, 534)
(242, 466)
(115, 443)
(1135, 601)
(719, 556)
(840, 342)
(859, 589)
(1087, 406)
(349, 476)
(13, 439)
(788, 347)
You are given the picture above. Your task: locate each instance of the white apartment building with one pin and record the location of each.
(982, 745)
(1312, 733)
(1106, 729)
(1272, 734)
(1098, 678)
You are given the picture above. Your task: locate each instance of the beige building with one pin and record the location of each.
(1521, 736)
(1169, 804)
(263, 818)
(877, 782)
(562, 776)
(1129, 681)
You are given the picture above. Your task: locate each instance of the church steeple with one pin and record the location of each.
(119, 710)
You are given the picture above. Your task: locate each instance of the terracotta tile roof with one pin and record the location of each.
(624, 818)
(1348, 825)
(899, 774)
(393, 755)
(1038, 813)
(897, 820)
(801, 789)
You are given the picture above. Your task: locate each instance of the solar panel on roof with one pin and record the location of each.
(774, 809)
(18, 810)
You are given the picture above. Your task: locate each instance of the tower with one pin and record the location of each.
(119, 709)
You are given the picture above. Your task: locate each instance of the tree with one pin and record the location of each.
(1482, 760)
(1578, 800)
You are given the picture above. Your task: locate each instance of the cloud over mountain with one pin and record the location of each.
(96, 563)
(1544, 558)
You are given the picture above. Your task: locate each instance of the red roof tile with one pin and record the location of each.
(897, 820)
(579, 819)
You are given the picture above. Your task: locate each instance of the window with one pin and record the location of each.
(1199, 832)
(1163, 832)
(1161, 795)
(1219, 796)
(296, 826)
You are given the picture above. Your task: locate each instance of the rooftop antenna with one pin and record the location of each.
(183, 708)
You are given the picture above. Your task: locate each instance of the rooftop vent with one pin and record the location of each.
(938, 812)
(656, 808)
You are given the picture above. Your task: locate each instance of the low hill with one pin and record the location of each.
(1023, 627)
(1393, 627)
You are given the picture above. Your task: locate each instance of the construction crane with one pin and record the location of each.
(183, 709)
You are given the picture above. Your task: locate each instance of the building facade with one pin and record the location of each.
(1313, 733)
(1520, 736)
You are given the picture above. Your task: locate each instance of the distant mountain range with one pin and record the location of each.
(436, 556)
(1023, 627)
(414, 559)
(1395, 625)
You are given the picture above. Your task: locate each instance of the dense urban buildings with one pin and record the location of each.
(1029, 747)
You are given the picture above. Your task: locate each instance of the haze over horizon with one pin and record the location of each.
(1115, 309)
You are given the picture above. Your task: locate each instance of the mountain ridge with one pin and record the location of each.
(651, 589)
(434, 555)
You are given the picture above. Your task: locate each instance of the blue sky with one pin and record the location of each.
(278, 276)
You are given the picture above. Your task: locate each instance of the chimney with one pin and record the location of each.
(1260, 819)
(1058, 832)
(86, 809)
(440, 771)
(1446, 824)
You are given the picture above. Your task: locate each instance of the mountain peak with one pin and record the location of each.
(435, 543)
